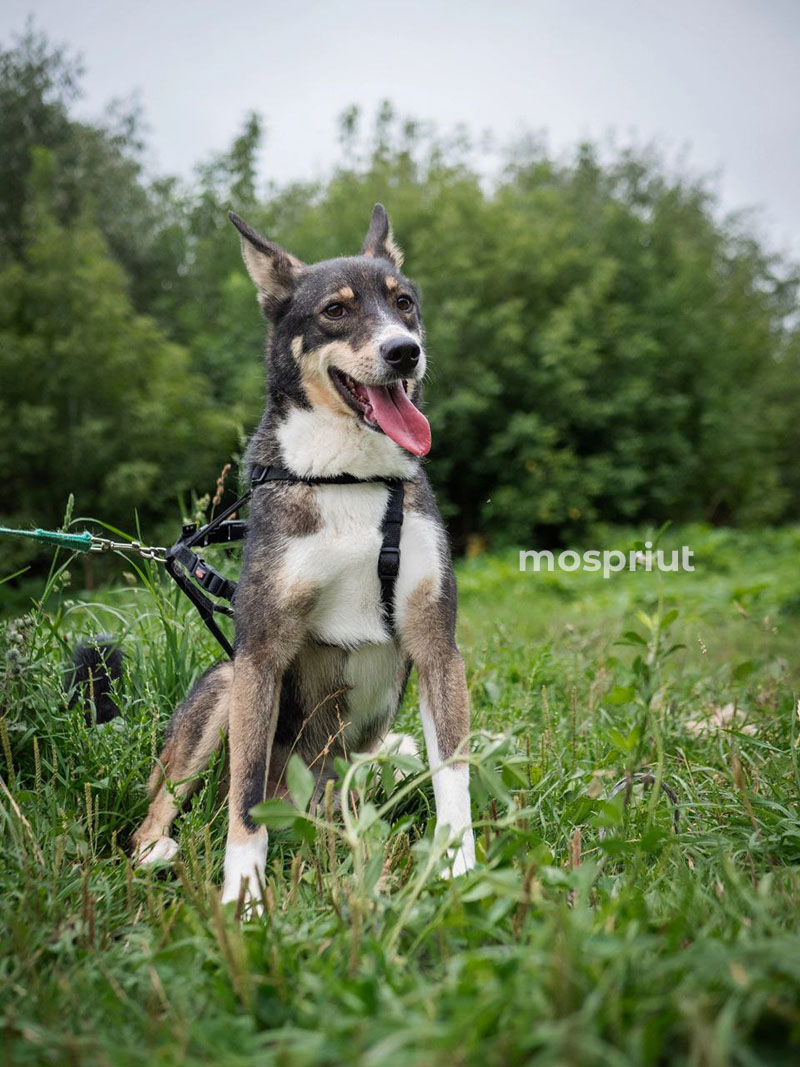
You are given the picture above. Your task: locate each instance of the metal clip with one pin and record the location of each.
(104, 544)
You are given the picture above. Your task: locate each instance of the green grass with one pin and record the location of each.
(592, 931)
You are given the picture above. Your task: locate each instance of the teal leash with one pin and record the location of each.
(87, 542)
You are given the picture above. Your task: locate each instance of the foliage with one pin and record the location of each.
(603, 346)
(95, 397)
(591, 930)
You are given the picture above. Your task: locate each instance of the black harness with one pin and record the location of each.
(196, 578)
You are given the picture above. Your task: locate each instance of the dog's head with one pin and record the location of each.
(347, 333)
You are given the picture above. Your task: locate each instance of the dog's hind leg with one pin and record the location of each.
(193, 735)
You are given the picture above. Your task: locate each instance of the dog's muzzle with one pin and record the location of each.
(401, 354)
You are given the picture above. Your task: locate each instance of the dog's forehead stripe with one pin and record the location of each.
(373, 285)
(355, 272)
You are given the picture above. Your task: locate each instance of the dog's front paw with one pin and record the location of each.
(245, 862)
(462, 858)
(157, 850)
(252, 902)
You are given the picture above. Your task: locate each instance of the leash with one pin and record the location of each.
(88, 542)
(199, 581)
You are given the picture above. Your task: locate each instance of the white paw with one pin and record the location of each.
(402, 744)
(245, 861)
(232, 887)
(462, 858)
(159, 850)
(252, 903)
(399, 745)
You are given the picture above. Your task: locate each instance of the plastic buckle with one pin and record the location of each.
(260, 475)
(388, 562)
(213, 583)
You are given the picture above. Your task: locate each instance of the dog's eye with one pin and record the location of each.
(335, 311)
(404, 303)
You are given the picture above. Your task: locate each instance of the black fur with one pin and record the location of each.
(96, 667)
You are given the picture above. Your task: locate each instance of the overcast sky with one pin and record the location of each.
(721, 77)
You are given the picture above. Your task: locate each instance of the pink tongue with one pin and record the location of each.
(399, 419)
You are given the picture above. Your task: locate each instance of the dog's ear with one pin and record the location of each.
(274, 271)
(379, 241)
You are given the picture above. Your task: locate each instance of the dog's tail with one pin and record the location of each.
(96, 667)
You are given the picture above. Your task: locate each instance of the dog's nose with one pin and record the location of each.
(401, 353)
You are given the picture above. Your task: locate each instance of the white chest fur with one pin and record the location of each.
(341, 560)
(315, 442)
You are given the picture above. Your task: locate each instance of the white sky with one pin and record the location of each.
(721, 77)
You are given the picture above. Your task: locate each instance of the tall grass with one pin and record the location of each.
(595, 929)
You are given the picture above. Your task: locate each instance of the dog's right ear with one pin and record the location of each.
(380, 242)
(274, 271)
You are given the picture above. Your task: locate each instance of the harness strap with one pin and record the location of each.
(206, 607)
(193, 574)
(389, 555)
(259, 475)
(206, 576)
(227, 531)
(187, 568)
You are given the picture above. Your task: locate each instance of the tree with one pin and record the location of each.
(94, 399)
(603, 346)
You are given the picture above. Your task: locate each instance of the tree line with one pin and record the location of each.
(604, 345)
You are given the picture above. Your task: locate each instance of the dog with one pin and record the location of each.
(317, 667)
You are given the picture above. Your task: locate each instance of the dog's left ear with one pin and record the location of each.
(379, 242)
(274, 271)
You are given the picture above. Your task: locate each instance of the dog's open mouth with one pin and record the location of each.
(388, 409)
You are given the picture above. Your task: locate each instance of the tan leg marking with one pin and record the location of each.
(442, 678)
(257, 674)
(184, 756)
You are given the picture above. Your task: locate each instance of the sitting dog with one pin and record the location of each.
(321, 661)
